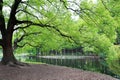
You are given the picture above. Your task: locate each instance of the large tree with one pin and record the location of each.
(16, 16)
(7, 32)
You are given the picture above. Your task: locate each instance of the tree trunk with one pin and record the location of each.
(8, 55)
(7, 33)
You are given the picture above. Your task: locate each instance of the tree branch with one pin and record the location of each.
(12, 19)
(22, 27)
(32, 7)
(33, 23)
(16, 41)
(48, 26)
(20, 46)
(26, 12)
(45, 25)
(1, 42)
(2, 20)
(105, 6)
(34, 33)
(80, 11)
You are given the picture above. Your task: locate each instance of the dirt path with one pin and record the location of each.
(48, 72)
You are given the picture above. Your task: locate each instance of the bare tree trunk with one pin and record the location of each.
(8, 55)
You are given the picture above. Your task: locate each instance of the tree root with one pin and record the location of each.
(22, 64)
(17, 64)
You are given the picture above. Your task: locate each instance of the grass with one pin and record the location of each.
(33, 62)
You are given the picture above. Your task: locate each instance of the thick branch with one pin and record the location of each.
(48, 26)
(12, 19)
(22, 27)
(33, 23)
(42, 25)
(2, 20)
(1, 42)
(24, 22)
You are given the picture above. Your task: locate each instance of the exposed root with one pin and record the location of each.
(17, 64)
(22, 64)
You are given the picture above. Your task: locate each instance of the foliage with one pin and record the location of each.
(100, 16)
(113, 59)
(95, 30)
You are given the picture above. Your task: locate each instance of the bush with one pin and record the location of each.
(113, 59)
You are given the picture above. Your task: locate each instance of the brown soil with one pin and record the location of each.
(48, 72)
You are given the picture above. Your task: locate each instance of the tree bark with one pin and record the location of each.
(8, 55)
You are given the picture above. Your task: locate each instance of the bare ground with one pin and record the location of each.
(48, 72)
